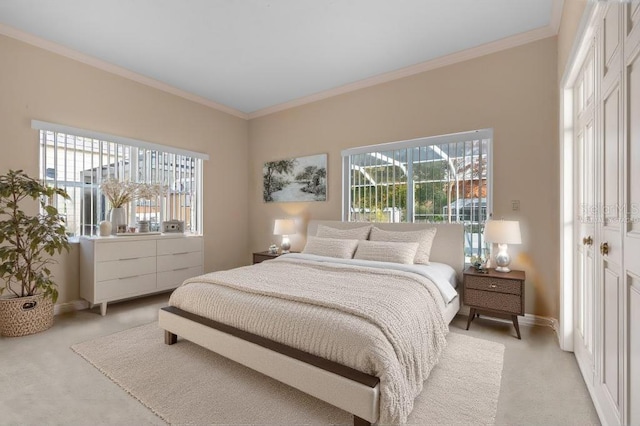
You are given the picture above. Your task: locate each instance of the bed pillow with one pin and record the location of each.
(359, 233)
(423, 236)
(330, 247)
(384, 251)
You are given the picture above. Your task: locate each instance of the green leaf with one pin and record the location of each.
(27, 242)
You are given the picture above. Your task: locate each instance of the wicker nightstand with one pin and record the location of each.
(494, 292)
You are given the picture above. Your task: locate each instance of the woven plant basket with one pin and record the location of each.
(20, 316)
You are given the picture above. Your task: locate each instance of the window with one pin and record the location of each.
(78, 161)
(435, 179)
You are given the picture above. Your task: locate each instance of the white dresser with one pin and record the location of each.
(116, 268)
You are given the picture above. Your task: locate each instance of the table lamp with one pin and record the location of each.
(502, 232)
(284, 227)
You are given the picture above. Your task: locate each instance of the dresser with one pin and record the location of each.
(491, 292)
(116, 268)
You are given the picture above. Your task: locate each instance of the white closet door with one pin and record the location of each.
(610, 252)
(632, 203)
(584, 313)
(609, 257)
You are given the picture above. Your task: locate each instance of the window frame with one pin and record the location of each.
(481, 134)
(134, 148)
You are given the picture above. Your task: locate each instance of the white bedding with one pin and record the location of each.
(442, 275)
(387, 323)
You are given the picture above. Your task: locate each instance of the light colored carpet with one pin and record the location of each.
(186, 384)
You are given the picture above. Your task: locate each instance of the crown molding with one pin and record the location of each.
(556, 15)
(113, 69)
(461, 56)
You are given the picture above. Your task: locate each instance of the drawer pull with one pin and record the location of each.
(126, 278)
(181, 269)
(492, 286)
(182, 252)
(129, 258)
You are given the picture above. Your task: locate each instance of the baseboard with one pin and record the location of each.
(528, 319)
(75, 305)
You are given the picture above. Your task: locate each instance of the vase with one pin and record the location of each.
(117, 217)
(105, 228)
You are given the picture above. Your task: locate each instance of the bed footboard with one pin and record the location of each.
(351, 390)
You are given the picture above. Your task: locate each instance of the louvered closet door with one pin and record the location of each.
(631, 287)
(609, 257)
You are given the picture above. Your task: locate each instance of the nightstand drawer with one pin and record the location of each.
(504, 302)
(498, 285)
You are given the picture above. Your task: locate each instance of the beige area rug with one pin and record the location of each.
(186, 384)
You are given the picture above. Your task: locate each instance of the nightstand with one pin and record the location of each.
(500, 293)
(261, 256)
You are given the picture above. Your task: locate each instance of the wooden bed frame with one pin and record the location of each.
(351, 390)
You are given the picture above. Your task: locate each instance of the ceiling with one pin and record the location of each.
(251, 55)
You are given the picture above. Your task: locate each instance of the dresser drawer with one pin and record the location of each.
(504, 302)
(170, 262)
(125, 250)
(179, 245)
(125, 268)
(498, 285)
(124, 287)
(173, 279)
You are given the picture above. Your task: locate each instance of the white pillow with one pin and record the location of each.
(423, 236)
(330, 247)
(359, 233)
(384, 251)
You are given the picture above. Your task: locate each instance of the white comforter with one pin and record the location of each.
(387, 323)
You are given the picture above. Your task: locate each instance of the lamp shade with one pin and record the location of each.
(502, 232)
(284, 227)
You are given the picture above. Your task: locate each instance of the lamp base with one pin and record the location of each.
(503, 259)
(286, 245)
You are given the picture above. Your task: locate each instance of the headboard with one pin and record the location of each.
(448, 245)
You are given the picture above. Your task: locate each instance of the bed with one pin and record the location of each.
(335, 329)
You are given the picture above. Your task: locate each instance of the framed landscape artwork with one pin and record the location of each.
(298, 179)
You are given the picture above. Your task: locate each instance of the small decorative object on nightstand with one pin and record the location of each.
(500, 293)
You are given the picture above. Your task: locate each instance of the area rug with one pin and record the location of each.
(186, 384)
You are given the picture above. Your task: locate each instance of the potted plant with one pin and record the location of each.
(27, 244)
